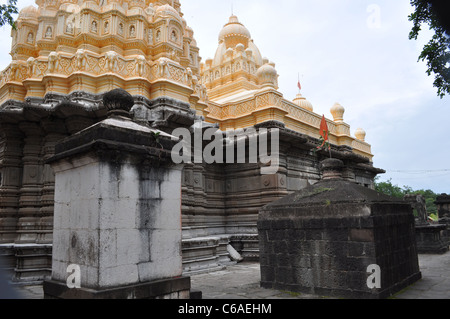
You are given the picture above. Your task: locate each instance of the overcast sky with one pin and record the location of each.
(355, 52)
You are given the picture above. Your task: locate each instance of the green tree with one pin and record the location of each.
(436, 51)
(6, 13)
(390, 189)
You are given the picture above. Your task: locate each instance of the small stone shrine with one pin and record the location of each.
(117, 211)
(443, 203)
(428, 236)
(327, 238)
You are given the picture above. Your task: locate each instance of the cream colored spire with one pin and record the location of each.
(63, 46)
(236, 63)
(234, 33)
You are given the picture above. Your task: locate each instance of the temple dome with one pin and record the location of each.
(235, 30)
(29, 13)
(168, 10)
(137, 3)
(338, 112)
(301, 101)
(232, 37)
(267, 75)
(360, 134)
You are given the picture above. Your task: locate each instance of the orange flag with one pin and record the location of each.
(324, 131)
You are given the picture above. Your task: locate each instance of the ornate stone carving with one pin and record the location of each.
(31, 63)
(132, 31)
(80, 58)
(53, 58)
(150, 36)
(111, 61)
(106, 27)
(120, 30)
(69, 27)
(140, 63)
(49, 33)
(94, 28)
(30, 38)
(163, 67)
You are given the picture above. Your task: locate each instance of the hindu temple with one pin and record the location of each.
(66, 54)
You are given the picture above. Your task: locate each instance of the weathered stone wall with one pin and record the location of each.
(107, 207)
(219, 200)
(330, 256)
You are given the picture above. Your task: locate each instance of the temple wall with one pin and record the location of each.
(220, 202)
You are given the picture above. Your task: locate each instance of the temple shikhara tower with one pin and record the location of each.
(66, 54)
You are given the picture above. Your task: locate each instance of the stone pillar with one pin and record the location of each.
(326, 238)
(33, 260)
(30, 192)
(117, 211)
(55, 131)
(11, 143)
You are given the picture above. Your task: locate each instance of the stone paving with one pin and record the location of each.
(241, 281)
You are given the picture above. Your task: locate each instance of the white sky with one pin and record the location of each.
(343, 54)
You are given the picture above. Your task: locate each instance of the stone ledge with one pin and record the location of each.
(152, 290)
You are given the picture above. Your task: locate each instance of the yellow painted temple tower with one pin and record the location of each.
(67, 53)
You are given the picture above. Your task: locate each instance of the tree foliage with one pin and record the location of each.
(436, 52)
(393, 190)
(6, 13)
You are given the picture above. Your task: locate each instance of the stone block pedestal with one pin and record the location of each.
(117, 212)
(175, 288)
